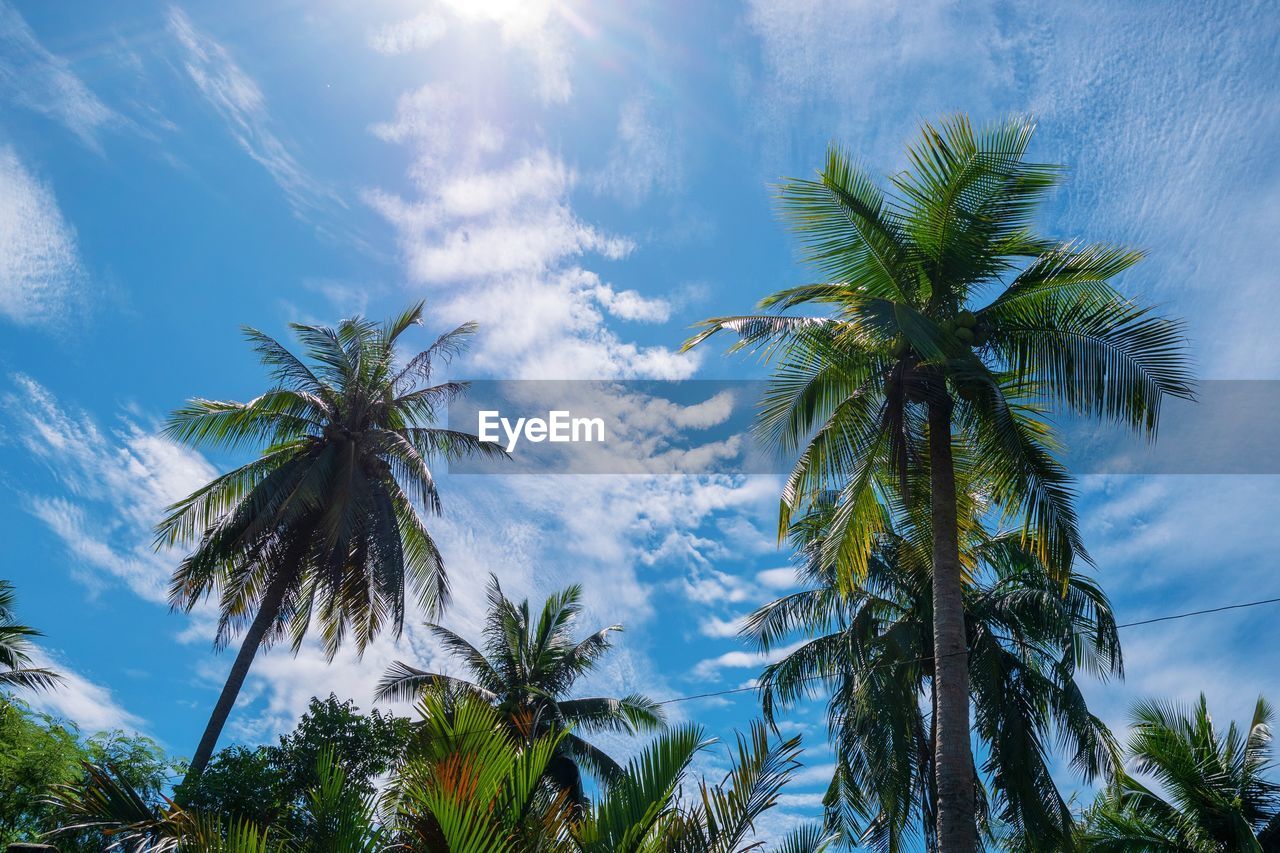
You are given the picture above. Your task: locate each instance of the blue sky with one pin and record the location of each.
(586, 180)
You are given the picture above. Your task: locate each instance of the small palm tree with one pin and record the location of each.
(1215, 791)
(323, 525)
(526, 670)
(16, 670)
(952, 326)
(872, 648)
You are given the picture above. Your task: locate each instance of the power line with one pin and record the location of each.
(1200, 612)
(1168, 618)
(733, 690)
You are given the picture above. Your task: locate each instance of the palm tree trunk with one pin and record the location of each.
(957, 825)
(268, 610)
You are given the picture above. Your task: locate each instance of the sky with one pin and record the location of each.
(585, 180)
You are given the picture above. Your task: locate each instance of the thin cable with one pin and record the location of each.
(733, 690)
(1151, 621)
(1200, 612)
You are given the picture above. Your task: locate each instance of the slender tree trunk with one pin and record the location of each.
(268, 610)
(957, 824)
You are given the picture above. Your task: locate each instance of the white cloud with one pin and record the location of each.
(848, 62)
(88, 704)
(405, 36)
(536, 178)
(38, 80)
(713, 626)
(709, 669)
(643, 157)
(783, 578)
(536, 28)
(238, 100)
(118, 484)
(630, 305)
(40, 266)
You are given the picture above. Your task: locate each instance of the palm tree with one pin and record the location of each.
(323, 524)
(16, 670)
(526, 670)
(1215, 790)
(872, 648)
(952, 327)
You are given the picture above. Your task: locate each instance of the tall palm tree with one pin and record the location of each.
(16, 670)
(952, 326)
(526, 670)
(324, 523)
(871, 648)
(1215, 791)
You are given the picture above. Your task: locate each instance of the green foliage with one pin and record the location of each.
(871, 649)
(39, 752)
(1212, 790)
(471, 783)
(272, 785)
(947, 330)
(949, 243)
(526, 669)
(323, 527)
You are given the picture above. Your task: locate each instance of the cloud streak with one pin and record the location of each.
(40, 266)
(240, 102)
(42, 82)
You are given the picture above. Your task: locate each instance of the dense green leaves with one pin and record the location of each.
(39, 753)
(471, 783)
(349, 438)
(526, 670)
(271, 784)
(869, 650)
(950, 238)
(1190, 785)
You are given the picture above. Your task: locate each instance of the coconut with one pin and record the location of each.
(967, 319)
(964, 335)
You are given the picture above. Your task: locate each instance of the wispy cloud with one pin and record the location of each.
(40, 267)
(243, 107)
(503, 225)
(38, 80)
(644, 157)
(710, 668)
(536, 28)
(413, 34)
(90, 705)
(117, 484)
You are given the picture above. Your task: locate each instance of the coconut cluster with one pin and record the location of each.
(965, 327)
(968, 329)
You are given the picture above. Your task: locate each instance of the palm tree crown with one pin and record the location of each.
(323, 525)
(872, 649)
(1215, 790)
(527, 668)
